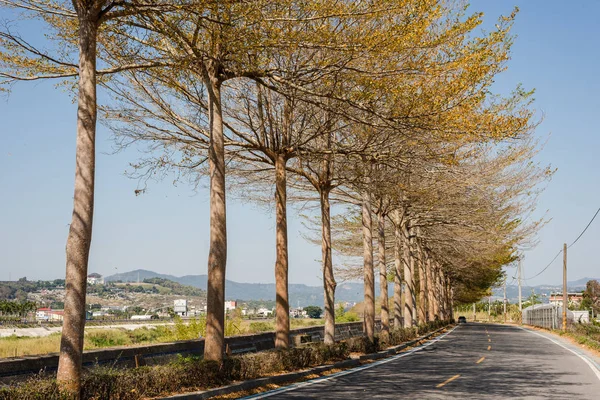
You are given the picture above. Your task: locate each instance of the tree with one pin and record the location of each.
(591, 297)
(314, 311)
(20, 61)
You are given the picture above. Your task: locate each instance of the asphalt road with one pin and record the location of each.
(475, 361)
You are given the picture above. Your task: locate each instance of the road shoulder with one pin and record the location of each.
(590, 357)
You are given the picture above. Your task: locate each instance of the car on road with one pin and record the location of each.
(462, 320)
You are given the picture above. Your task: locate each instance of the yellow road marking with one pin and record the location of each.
(480, 360)
(489, 348)
(489, 340)
(448, 381)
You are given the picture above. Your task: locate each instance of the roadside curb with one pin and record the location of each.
(294, 376)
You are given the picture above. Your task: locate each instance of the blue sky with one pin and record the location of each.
(166, 229)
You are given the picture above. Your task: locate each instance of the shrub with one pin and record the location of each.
(256, 327)
(106, 338)
(143, 335)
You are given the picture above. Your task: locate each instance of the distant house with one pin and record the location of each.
(298, 313)
(48, 314)
(95, 279)
(180, 307)
(263, 312)
(230, 305)
(573, 298)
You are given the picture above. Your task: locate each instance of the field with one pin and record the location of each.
(14, 346)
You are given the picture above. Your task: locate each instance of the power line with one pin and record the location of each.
(575, 241)
(586, 228)
(546, 267)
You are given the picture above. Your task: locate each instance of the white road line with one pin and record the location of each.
(585, 358)
(347, 372)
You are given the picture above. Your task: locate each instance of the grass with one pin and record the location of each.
(587, 335)
(14, 346)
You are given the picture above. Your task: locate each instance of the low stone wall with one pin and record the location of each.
(131, 356)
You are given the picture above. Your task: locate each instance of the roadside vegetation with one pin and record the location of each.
(186, 374)
(14, 346)
(587, 335)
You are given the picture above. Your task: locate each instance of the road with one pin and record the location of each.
(475, 361)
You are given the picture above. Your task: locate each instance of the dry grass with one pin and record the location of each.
(14, 346)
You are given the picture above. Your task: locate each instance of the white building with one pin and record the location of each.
(263, 312)
(298, 313)
(180, 307)
(47, 314)
(230, 305)
(95, 279)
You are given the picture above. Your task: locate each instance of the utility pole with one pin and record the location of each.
(474, 313)
(489, 308)
(504, 300)
(520, 278)
(565, 294)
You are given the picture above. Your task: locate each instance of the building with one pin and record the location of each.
(48, 314)
(180, 307)
(298, 313)
(263, 312)
(557, 299)
(95, 279)
(230, 305)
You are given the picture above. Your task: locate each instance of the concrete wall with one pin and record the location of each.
(159, 353)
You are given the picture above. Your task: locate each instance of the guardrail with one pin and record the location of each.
(131, 356)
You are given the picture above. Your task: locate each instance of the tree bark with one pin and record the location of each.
(217, 256)
(329, 283)
(422, 284)
(436, 292)
(383, 284)
(397, 271)
(414, 273)
(80, 231)
(369, 282)
(430, 293)
(442, 298)
(409, 294)
(282, 305)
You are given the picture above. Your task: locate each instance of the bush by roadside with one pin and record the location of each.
(584, 334)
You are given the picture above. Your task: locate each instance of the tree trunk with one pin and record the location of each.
(282, 304)
(409, 294)
(422, 284)
(442, 295)
(398, 271)
(430, 293)
(217, 256)
(448, 299)
(383, 284)
(369, 282)
(436, 291)
(80, 231)
(329, 283)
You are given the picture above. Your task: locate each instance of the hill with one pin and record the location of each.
(300, 295)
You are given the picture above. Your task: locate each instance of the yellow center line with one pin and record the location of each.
(489, 348)
(448, 381)
(489, 340)
(480, 360)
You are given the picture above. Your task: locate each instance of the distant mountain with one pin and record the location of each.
(300, 294)
(304, 295)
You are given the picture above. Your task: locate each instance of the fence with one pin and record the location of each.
(547, 316)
